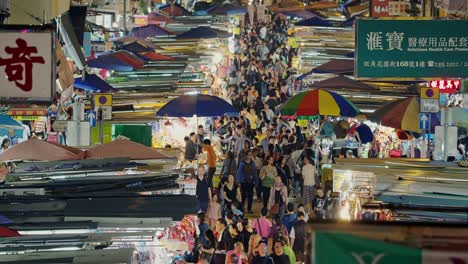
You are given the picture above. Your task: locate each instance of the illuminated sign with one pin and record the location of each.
(449, 86)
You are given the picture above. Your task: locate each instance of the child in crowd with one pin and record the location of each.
(237, 213)
(214, 212)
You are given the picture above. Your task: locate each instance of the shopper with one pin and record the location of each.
(210, 160)
(262, 225)
(229, 165)
(231, 192)
(203, 190)
(278, 197)
(267, 175)
(298, 237)
(191, 152)
(202, 227)
(278, 256)
(290, 218)
(308, 176)
(208, 248)
(262, 257)
(247, 177)
(237, 255)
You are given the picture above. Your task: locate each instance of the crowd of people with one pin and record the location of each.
(267, 159)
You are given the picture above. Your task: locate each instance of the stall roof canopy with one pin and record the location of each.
(314, 22)
(343, 83)
(204, 32)
(174, 10)
(227, 9)
(136, 47)
(92, 83)
(153, 56)
(335, 66)
(124, 149)
(121, 60)
(304, 14)
(149, 31)
(158, 18)
(40, 150)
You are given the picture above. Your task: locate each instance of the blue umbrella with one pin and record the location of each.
(200, 105)
(314, 22)
(93, 83)
(7, 122)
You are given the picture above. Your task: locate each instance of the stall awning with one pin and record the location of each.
(40, 150)
(314, 22)
(203, 32)
(124, 149)
(334, 66)
(92, 83)
(227, 9)
(149, 31)
(343, 83)
(174, 10)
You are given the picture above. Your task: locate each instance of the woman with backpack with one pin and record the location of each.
(267, 175)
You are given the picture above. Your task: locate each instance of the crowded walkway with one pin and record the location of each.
(257, 212)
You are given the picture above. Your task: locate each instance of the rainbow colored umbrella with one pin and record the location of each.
(319, 102)
(402, 114)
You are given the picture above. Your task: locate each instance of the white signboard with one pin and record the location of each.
(430, 106)
(27, 68)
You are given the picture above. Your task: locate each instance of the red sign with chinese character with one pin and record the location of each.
(449, 86)
(380, 8)
(26, 65)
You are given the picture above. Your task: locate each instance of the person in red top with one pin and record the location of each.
(210, 160)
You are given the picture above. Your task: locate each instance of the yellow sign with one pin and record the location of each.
(103, 100)
(302, 122)
(429, 93)
(236, 31)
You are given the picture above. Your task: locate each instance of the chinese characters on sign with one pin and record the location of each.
(446, 86)
(26, 66)
(19, 67)
(411, 48)
(385, 8)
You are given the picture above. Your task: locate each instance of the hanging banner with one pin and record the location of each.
(27, 67)
(386, 8)
(411, 48)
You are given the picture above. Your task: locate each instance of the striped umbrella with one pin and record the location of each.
(402, 114)
(318, 101)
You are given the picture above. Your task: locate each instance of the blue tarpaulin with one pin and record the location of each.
(136, 47)
(7, 122)
(200, 105)
(314, 22)
(92, 83)
(203, 32)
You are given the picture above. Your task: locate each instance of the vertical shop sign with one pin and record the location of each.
(27, 66)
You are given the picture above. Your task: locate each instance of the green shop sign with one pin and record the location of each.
(410, 48)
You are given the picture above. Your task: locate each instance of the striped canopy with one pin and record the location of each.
(321, 102)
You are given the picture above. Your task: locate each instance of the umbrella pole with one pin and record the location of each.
(317, 146)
